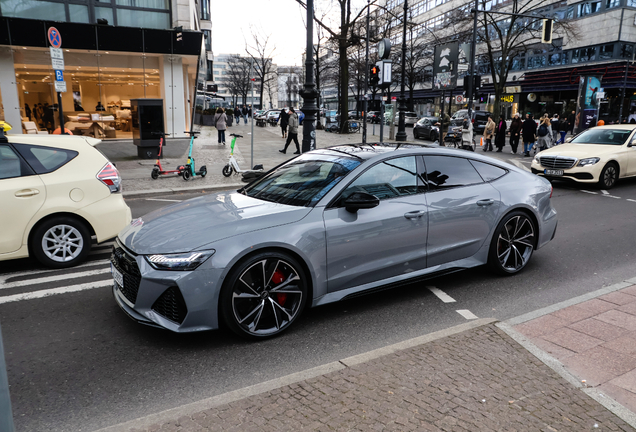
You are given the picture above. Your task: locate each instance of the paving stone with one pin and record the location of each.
(572, 340)
(598, 329)
(619, 318)
(618, 297)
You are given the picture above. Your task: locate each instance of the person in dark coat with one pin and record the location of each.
(515, 132)
(245, 111)
(571, 120)
(284, 120)
(27, 111)
(500, 134)
(529, 134)
(237, 114)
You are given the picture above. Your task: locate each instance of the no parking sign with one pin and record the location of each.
(55, 38)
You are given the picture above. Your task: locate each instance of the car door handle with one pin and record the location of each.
(414, 214)
(26, 193)
(485, 202)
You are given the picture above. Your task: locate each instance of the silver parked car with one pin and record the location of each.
(325, 226)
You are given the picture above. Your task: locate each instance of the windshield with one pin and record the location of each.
(602, 136)
(302, 181)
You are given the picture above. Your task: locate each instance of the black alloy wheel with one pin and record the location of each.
(609, 176)
(512, 244)
(263, 295)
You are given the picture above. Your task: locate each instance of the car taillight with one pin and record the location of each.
(110, 177)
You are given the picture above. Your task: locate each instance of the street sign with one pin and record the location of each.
(59, 75)
(55, 38)
(57, 64)
(60, 86)
(57, 53)
(459, 99)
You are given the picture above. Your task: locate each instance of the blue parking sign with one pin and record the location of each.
(59, 75)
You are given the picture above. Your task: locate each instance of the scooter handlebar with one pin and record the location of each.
(191, 133)
(237, 136)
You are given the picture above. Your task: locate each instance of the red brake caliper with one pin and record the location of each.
(278, 278)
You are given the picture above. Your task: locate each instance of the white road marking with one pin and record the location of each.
(54, 278)
(629, 199)
(520, 164)
(54, 291)
(6, 276)
(160, 199)
(441, 294)
(466, 314)
(605, 192)
(590, 192)
(611, 196)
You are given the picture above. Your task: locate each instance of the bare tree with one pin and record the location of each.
(507, 38)
(238, 75)
(261, 54)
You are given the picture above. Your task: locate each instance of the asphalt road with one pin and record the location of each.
(77, 363)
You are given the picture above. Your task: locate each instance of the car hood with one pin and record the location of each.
(581, 151)
(195, 223)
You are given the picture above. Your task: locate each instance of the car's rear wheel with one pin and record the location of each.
(512, 244)
(609, 176)
(415, 134)
(263, 295)
(434, 136)
(61, 242)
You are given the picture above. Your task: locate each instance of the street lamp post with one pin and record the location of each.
(309, 93)
(366, 83)
(401, 134)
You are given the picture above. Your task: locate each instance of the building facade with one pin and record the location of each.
(114, 51)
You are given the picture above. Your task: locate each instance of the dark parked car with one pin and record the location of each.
(479, 119)
(373, 117)
(427, 128)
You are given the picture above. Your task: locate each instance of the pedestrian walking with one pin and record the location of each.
(48, 118)
(544, 134)
(237, 114)
(445, 125)
(244, 111)
(528, 133)
(489, 132)
(563, 130)
(515, 132)
(283, 118)
(556, 124)
(27, 111)
(293, 132)
(467, 133)
(571, 120)
(220, 123)
(39, 115)
(500, 134)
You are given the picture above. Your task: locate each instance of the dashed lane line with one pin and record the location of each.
(54, 291)
(611, 196)
(629, 199)
(6, 276)
(590, 192)
(605, 192)
(53, 278)
(466, 314)
(441, 294)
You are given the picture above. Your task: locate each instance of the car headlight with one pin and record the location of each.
(588, 161)
(181, 261)
(536, 159)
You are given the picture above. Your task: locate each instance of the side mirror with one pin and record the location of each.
(360, 200)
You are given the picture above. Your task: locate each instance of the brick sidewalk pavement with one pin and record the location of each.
(479, 379)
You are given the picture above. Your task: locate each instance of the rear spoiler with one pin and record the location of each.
(92, 141)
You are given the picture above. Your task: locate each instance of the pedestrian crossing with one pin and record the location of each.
(39, 283)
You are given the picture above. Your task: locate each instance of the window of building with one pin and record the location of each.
(210, 75)
(78, 13)
(33, 9)
(612, 4)
(205, 9)
(104, 13)
(207, 37)
(627, 51)
(555, 59)
(518, 63)
(536, 62)
(146, 19)
(150, 4)
(588, 8)
(606, 51)
(631, 3)
(582, 55)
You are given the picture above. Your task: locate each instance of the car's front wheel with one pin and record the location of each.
(512, 244)
(609, 176)
(263, 295)
(61, 242)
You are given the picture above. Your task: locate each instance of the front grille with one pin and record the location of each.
(557, 162)
(125, 262)
(171, 305)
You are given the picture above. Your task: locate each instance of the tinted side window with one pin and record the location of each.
(488, 172)
(443, 172)
(45, 159)
(388, 179)
(11, 165)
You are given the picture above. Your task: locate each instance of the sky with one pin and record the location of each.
(282, 20)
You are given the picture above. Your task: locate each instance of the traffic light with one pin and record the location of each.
(546, 33)
(374, 76)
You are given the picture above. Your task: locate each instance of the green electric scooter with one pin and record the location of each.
(189, 170)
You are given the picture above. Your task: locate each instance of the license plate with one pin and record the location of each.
(119, 278)
(553, 172)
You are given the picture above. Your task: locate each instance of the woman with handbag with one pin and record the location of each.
(220, 123)
(489, 131)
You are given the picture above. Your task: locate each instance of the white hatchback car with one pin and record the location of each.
(56, 193)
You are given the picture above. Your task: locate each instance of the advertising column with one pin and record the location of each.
(587, 105)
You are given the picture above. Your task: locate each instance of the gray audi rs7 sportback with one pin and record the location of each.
(327, 225)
